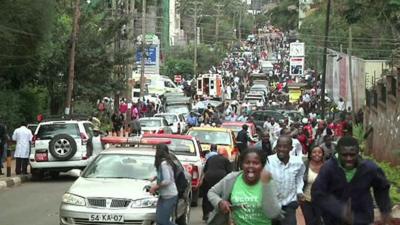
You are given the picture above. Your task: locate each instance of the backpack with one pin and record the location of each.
(180, 180)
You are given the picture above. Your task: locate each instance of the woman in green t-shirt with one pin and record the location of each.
(246, 197)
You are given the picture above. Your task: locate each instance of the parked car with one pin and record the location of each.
(59, 146)
(260, 116)
(177, 120)
(32, 127)
(188, 150)
(222, 137)
(237, 126)
(113, 190)
(155, 125)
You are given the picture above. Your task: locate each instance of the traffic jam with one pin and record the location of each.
(182, 143)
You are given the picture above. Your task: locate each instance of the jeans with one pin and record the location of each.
(21, 165)
(312, 215)
(165, 208)
(290, 215)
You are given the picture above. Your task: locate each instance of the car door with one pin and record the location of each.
(94, 142)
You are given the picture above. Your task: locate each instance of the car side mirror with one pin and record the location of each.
(170, 124)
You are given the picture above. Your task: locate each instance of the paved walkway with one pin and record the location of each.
(13, 179)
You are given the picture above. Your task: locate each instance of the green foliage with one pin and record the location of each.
(284, 16)
(373, 30)
(177, 66)
(84, 107)
(22, 105)
(393, 175)
(358, 133)
(181, 59)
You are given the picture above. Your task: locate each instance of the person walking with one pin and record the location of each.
(311, 212)
(3, 145)
(23, 137)
(288, 171)
(217, 167)
(264, 145)
(117, 120)
(243, 138)
(328, 147)
(342, 189)
(245, 197)
(168, 192)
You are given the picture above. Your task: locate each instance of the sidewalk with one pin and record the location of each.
(6, 182)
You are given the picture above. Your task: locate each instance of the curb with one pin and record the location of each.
(14, 181)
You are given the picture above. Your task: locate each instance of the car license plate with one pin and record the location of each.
(106, 218)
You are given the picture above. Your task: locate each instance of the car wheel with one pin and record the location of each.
(184, 219)
(37, 174)
(62, 147)
(195, 198)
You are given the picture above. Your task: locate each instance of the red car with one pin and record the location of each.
(237, 126)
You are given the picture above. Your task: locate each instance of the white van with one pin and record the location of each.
(266, 66)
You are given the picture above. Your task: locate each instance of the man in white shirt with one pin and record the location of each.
(297, 149)
(341, 106)
(288, 172)
(272, 127)
(23, 137)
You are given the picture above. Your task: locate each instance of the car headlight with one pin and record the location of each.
(145, 203)
(73, 199)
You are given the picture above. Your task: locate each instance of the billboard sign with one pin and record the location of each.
(296, 66)
(150, 56)
(296, 49)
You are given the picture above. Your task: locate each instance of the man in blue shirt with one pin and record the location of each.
(192, 120)
(342, 188)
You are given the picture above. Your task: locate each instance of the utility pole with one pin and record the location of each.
(217, 21)
(328, 9)
(71, 67)
(195, 39)
(143, 48)
(240, 24)
(350, 67)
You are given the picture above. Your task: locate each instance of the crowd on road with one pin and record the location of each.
(289, 155)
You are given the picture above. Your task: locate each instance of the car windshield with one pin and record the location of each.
(150, 123)
(181, 146)
(169, 118)
(48, 131)
(121, 166)
(212, 137)
(177, 109)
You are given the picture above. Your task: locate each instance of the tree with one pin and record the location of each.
(285, 15)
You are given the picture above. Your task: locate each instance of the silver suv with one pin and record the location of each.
(59, 146)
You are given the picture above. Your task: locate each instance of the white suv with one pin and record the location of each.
(59, 146)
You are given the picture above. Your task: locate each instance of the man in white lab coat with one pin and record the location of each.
(23, 137)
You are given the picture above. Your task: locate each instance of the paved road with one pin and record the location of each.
(36, 203)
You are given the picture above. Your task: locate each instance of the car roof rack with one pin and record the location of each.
(50, 118)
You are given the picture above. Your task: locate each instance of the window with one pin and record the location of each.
(150, 123)
(122, 166)
(48, 131)
(89, 129)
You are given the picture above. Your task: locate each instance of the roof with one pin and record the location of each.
(171, 136)
(210, 129)
(237, 123)
(141, 150)
(151, 118)
(63, 121)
